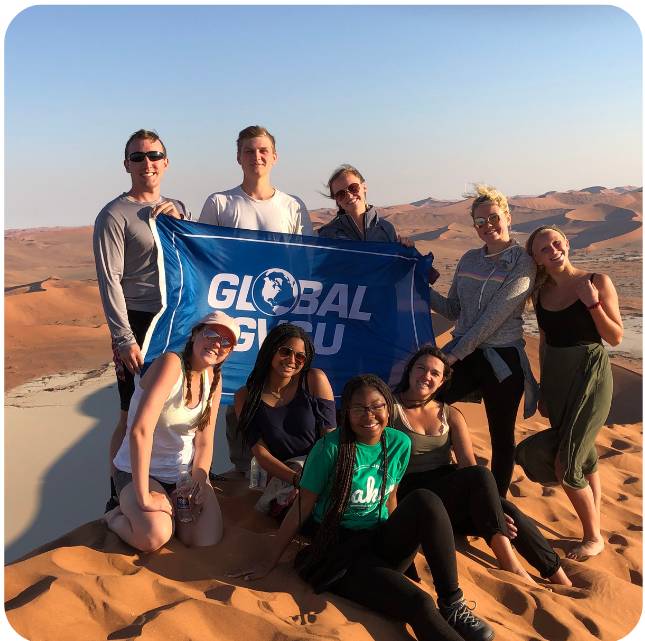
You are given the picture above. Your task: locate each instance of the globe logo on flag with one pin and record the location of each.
(275, 292)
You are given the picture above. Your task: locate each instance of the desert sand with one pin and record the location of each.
(85, 584)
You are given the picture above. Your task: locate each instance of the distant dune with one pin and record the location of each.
(52, 301)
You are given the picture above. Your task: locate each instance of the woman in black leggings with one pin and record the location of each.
(486, 299)
(362, 542)
(467, 490)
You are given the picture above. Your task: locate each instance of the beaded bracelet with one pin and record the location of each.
(596, 304)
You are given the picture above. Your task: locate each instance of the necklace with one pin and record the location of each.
(275, 395)
(409, 405)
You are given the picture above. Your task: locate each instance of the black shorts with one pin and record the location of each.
(139, 323)
(121, 479)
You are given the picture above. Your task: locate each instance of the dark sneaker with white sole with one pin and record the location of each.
(460, 617)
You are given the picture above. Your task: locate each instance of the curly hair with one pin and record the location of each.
(277, 337)
(488, 194)
(429, 350)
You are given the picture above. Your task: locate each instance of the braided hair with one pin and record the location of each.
(428, 350)
(342, 484)
(204, 417)
(277, 337)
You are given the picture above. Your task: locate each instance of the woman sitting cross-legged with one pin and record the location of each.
(362, 542)
(284, 408)
(171, 424)
(467, 490)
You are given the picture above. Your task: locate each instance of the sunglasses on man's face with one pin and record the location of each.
(216, 337)
(138, 156)
(353, 189)
(287, 352)
(492, 219)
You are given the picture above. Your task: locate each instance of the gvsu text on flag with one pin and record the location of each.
(365, 305)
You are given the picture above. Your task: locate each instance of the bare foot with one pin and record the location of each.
(560, 578)
(523, 574)
(109, 516)
(586, 548)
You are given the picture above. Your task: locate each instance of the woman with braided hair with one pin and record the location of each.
(285, 406)
(363, 541)
(171, 424)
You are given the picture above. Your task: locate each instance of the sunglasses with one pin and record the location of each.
(493, 219)
(353, 189)
(138, 156)
(359, 410)
(287, 352)
(216, 337)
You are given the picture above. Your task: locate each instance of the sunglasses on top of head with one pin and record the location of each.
(492, 219)
(285, 352)
(354, 189)
(138, 156)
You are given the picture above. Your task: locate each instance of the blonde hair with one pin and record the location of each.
(488, 194)
(541, 277)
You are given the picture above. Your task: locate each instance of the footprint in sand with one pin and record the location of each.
(304, 618)
(617, 539)
(549, 627)
(514, 599)
(618, 444)
(622, 497)
(630, 479)
(634, 527)
(589, 624)
(548, 491)
(636, 577)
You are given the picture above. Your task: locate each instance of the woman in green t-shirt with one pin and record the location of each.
(362, 541)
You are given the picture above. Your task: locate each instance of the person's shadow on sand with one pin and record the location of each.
(76, 486)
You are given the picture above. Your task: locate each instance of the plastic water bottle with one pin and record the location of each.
(257, 475)
(184, 495)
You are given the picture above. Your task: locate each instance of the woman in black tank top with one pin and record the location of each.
(283, 409)
(575, 311)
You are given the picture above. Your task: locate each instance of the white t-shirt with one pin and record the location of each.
(235, 208)
(174, 435)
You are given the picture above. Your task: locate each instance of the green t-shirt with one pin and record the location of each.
(361, 513)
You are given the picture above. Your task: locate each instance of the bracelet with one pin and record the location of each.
(596, 304)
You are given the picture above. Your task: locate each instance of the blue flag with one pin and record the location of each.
(364, 304)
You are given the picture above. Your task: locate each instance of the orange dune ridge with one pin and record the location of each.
(86, 584)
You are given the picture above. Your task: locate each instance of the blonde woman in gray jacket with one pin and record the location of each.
(486, 299)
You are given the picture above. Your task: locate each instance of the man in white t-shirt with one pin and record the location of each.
(256, 203)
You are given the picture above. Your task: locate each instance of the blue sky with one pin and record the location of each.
(424, 100)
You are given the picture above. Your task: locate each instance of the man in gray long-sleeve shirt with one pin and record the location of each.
(126, 263)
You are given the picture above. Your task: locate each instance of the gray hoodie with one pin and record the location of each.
(487, 298)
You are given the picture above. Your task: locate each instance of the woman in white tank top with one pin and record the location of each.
(170, 424)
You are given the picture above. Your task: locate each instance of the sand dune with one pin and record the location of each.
(90, 585)
(86, 584)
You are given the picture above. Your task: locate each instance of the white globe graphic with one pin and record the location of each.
(275, 292)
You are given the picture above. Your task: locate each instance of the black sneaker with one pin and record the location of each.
(461, 618)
